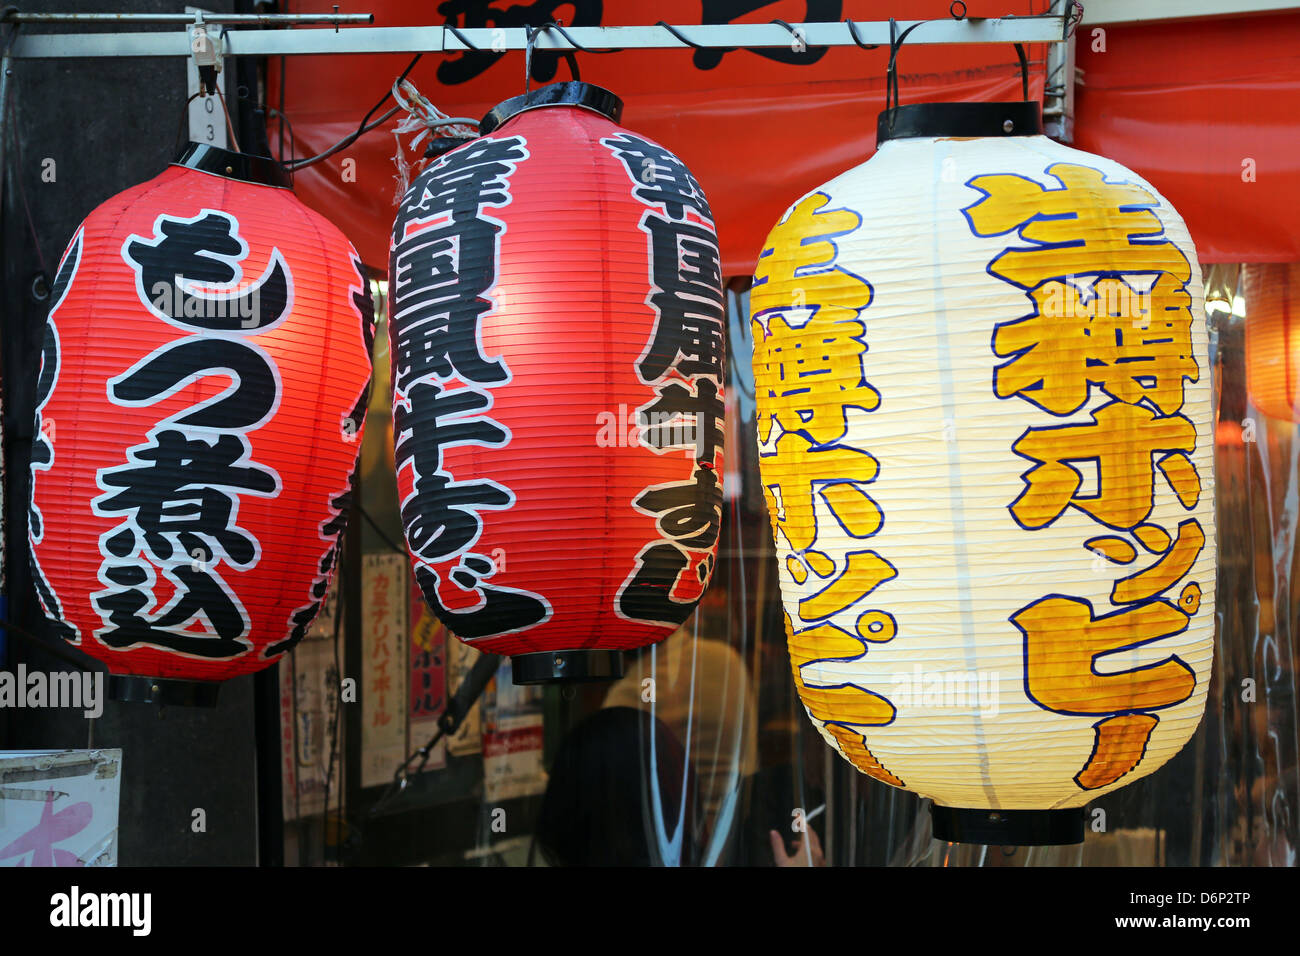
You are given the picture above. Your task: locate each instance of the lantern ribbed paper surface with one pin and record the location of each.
(200, 403)
(1272, 292)
(984, 428)
(556, 332)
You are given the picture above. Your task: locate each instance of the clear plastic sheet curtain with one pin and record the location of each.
(749, 763)
(702, 754)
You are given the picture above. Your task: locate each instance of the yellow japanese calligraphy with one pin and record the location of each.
(1134, 345)
(808, 340)
(1109, 307)
(842, 708)
(1088, 226)
(1121, 439)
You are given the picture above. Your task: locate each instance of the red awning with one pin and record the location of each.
(1186, 105)
(756, 131)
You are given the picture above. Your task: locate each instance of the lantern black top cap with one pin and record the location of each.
(994, 120)
(260, 170)
(582, 95)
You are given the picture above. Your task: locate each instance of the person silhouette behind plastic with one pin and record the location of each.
(603, 799)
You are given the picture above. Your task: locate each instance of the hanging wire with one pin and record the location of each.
(794, 32)
(853, 32)
(293, 140)
(532, 33)
(389, 92)
(345, 142)
(530, 36)
(559, 28)
(362, 128)
(797, 34)
(180, 126)
(892, 100)
(230, 129)
(683, 38)
(465, 40)
(1072, 24)
(891, 77)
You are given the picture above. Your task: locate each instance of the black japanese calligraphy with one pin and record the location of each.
(42, 444)
(442, 272)
(798, 53)
(683, 362)
(503, 610)
(189, 273)
(482, 13)
(439, 272)
(364, 304)
(442, 518)
(176, 499)
(332, 527)
(331, 531)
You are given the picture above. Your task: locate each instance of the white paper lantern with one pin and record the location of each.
(985, 439)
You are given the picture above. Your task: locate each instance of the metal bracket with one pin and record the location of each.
(1058, 93)
(206, 48)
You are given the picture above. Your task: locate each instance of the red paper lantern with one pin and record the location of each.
(556, 332)
(199, 411)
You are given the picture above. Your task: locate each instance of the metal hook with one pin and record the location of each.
(532, 34)
(891, 76)
(462, 38)
(896, 42)
(853, 32)
(797, 34)
(530, 37)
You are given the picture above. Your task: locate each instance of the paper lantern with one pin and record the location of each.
(199, 408)
(1272, 294)
(984, 431)
(556, 335)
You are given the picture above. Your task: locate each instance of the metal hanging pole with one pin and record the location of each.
(262, 19)
(440, 39)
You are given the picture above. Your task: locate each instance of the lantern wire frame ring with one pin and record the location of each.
(892, 97)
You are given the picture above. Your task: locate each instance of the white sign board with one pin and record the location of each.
(59, 807)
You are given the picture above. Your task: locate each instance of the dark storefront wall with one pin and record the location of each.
(105, 125)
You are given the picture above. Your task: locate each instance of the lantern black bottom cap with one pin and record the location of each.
(566, 667)
(130, 688)
(1008, 827)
